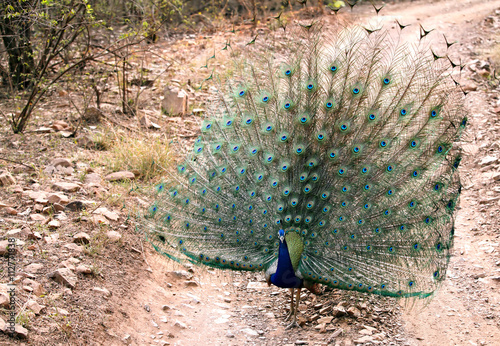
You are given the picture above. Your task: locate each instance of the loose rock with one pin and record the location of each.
(122, 175)
(65, 186)
(6, 179)
(81, 238)
(113, 236)
(65, 276)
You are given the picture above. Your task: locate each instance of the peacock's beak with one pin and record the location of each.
(282, 238)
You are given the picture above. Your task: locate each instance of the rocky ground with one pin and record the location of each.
(84, 276)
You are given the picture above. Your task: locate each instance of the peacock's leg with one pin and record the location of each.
(292, 306)
(295, 310)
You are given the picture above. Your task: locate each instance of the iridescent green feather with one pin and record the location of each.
(347, 141)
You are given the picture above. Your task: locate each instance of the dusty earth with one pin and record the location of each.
(113, 289)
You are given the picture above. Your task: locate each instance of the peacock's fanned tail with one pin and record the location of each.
(349, 141)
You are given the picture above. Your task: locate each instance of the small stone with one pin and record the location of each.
(4, 247)
(83, 269)
(81, 238)
(354, 312)
(175, 101)
(326, 319)
(54, 224)
(20, 331)
(65, 276)
(104, 291)
(60, 125)
(74, 247)
(67, 264)
(113, 236)
(33, 268)
(35, 286)
(65, 186)
(92, 178)
(363, 340)
(469, 86)
(37, 217)
(52, 239)
(338, 311)
(15, 233)
(180, 325)
(111, 215)
(10, 211)
(488, 160)
(166, 308)
(122, 175)
(321, 327)
(61, 162)
(58, 198)
(6, 179)
(325, 310)
(229, 335)
(191, 284)
(43, 129)
(249, 332)
(301, 342)
(34, 306)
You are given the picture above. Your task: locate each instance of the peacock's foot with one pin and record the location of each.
(294, 324)
(289, 316)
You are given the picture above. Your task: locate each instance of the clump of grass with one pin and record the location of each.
(146, 157)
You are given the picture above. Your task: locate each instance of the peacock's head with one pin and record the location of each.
(281, 235)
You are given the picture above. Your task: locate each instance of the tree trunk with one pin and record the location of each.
(16, 32)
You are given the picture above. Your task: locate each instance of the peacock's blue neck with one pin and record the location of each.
(285, 275)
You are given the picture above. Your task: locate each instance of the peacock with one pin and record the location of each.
(327, 159)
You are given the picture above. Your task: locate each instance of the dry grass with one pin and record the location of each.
(147, 157)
